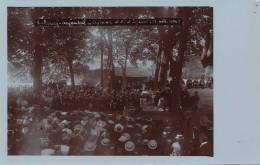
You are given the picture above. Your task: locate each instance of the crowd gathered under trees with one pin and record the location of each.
(81, 119)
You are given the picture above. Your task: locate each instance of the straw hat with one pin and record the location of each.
(101, 123)
(105, 142)
(124, 137)
(118, 127)
(129, 146)
(164, 134)
(144, 128)
(66, 122)
(63, 113)
(67, 130)
(179, 137)
(48, 151)
(78, 127)
(152, 144)
(110, 122)
(90, 146)
(83, 122)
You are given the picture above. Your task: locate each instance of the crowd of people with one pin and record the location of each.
(200, 83)
(85, 120)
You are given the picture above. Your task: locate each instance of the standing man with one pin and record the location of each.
(195, 101)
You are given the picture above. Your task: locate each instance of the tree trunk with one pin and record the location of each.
(37, 50)
(101, 64)
(37, 73)
(110, 59)
(165, 65)
(125, 69)
(72, 80)
(158, 66)
(177, 67)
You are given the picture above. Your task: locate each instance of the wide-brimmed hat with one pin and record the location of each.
(118, 127)
(48, 151)
(144, 128)
(124, 137)
(90, 146)
(83, 122)
(63, 113)
(111, 122)
(179, 137)
(129, 146)
(67, 130)
(101, 123)
(164, 134)
(66, 122)
(78, 127)
(152, 144)
(105, 141)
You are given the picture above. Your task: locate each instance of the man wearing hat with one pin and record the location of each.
(205, 148)
(176, 146)
(129, 148)
(152, 147)
(105, 147)
(76, 144)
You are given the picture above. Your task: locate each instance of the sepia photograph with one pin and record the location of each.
(110, 81)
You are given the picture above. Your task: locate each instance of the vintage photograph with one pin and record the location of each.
(110, 88)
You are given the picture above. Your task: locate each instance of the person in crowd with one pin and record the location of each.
(205, 148)
(195, 101)
(72, 117)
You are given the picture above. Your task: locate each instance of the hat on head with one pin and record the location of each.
(101, 123)
(48, 151)
(65, 122)
(83, 122)
(124, 137)
(67, 130)
(144, 128)
(63, 113)
(179, 137)
(164, 134)
(118, 127)
(152, 144)
(90, 146)
(129, 146)
(110, 122)
(105, 142)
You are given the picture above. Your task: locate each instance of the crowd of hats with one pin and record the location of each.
(97, 133)
(103, 134)
(90, 132)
